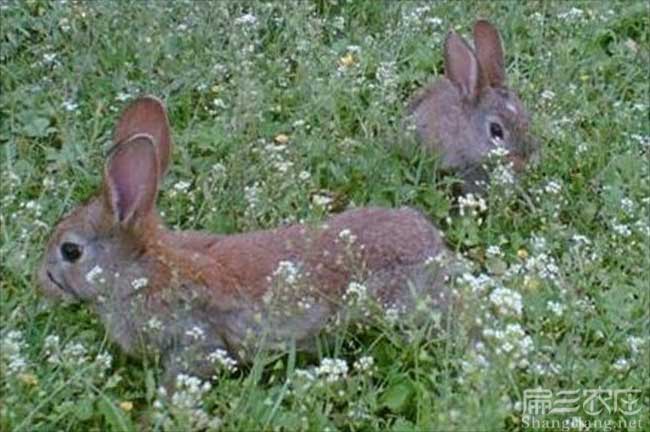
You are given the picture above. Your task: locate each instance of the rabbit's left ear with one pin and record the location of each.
(461, 66)
(489, 53)
(131, 180)
(146, 115)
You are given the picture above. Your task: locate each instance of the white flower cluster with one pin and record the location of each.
(494, 251)
(364, 364)
(139, 283)
(512, 342)
(321, 200)
(189, 391)
(186, 406)
(621, 230)
(506, 301)
(553, 187)
(356, 293)
(221, 358)
(95, 275)
(11, 354)
(287, 272)
(252, 196)
(332, 370)
(196, 333)
(72, 354)
(556, 308)
(276, 154)
(478, 284)
(475, 204)
(543, 265)
(636, 344)
(347, 236)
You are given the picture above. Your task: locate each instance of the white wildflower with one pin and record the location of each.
(622, 230)
(494, 251)
(621, 365)
(123, 96)
(507, 301)
(95, 275)
(139, 283)
(547, 94)
(221, 358)
(248, 19)
(636, 344)
(11, 354)
(627, 205)
(346, 234)
(364, 364)
(70, 105)
(479, 283)
(356, 293)
(556, 308)
(473, 203)
(49, 58)
(553, 187)
(182, 186)
(332, 370)
(321, 200)
(287, 272)
(196, 333)
(154, 324)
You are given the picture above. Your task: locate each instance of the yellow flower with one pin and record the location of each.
(281, 139)
(522, 253)
(126, 406)
(29, 379)
(346, 60)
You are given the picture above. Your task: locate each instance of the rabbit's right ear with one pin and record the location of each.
(490, 53)
(461, 65)
(131, 180)
(146, 115)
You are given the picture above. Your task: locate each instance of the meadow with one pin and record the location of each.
(289, 111)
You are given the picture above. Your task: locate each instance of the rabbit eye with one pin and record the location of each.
(496, 131)
(71, 252)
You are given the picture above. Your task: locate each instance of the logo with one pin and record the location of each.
(587, 408)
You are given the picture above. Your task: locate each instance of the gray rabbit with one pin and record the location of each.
(470, 112)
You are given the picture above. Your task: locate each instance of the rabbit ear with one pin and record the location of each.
(461, 66)
(131, 179)
(146, 115)
(490, 53)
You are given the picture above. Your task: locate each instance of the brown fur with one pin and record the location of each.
(230, 288)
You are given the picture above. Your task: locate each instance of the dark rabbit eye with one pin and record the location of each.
(71, 252)
(496, 131)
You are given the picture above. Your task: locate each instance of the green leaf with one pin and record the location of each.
(84, 410)
(114, 416)
(37, 127)
(403, 425)
(150, 385)
(397, 396)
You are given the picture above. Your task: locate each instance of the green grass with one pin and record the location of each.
(572, 241)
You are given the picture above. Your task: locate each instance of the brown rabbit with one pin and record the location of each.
(470, 112)
(185, 295)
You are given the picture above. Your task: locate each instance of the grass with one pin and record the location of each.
(571, 244)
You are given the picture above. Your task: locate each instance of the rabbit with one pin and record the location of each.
(470, 112)
(185, 296)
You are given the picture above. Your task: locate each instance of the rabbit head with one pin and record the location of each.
(93, 244)
(471, 113)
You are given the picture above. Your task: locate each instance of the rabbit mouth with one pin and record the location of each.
(62, 287)
(518, 162)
